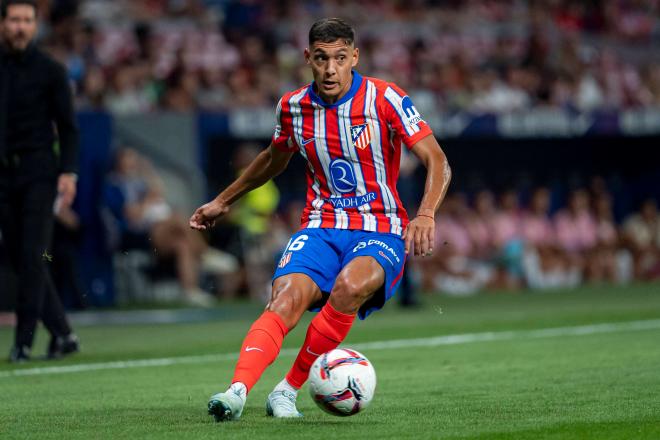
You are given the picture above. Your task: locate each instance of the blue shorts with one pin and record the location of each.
(322, 253)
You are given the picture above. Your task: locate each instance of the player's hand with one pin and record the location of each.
(206, 215)
(419, 236)
(66, 189)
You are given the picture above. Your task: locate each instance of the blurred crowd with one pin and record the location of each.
(132, 56)
(496, 241)
(140, 222)
(538, 238)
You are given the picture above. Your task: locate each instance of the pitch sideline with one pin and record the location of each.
(465, 338)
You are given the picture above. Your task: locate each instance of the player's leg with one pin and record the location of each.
(292, 295)
(372, 269)
(355, 284)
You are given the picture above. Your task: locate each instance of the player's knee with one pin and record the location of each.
(349, 293)
(288, 302)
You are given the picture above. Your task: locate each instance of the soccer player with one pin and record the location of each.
(348, 257)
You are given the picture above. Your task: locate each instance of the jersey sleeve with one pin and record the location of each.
(403, 116)
(282, 139)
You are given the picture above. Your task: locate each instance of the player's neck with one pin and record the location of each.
(334, 99)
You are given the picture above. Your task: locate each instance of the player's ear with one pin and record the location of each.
(308, 55)
(356, 57)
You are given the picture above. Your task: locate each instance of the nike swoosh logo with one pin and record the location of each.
(253, 349)
(307, 141)
(311, 352)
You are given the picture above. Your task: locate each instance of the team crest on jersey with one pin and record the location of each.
(285, 260)
(361, 135)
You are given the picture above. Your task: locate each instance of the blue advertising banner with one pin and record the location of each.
(95, 264)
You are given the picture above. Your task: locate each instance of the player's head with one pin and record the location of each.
(332, 55)
(18, 23)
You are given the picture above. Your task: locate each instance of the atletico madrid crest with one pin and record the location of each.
(361, 135)
(284, 260)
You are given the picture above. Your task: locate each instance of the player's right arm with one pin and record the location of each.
(267, 165)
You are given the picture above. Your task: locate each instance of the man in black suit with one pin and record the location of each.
(35, 108)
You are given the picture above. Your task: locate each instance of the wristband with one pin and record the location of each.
(424, 215)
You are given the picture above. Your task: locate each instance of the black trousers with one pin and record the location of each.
(28, 186)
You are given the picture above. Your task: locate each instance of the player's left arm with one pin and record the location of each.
(419, 236)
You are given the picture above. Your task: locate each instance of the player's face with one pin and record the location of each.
(19, 27)
(331, 65)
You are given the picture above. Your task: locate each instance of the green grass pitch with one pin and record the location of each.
(595, 385)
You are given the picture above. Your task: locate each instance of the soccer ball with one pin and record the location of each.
(342, 382)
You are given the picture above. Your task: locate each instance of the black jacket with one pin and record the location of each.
(35, 98)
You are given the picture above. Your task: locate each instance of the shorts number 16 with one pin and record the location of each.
(297, 244)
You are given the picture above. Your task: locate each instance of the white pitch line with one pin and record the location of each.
(465, 338)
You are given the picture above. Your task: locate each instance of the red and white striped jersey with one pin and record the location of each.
(353, 151)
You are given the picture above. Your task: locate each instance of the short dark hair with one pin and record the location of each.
(328, 30)
(7, 3)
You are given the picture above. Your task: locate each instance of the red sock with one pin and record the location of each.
(326, 331)
(260, 348)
